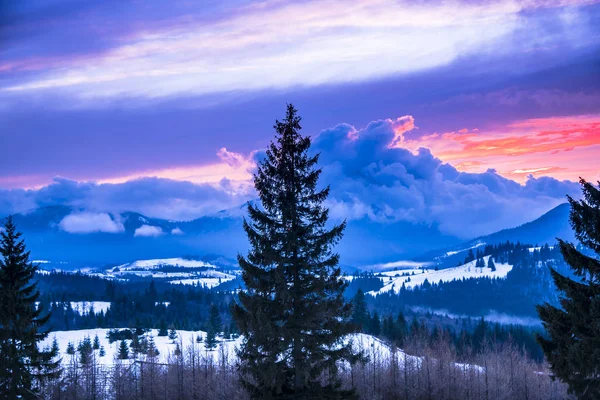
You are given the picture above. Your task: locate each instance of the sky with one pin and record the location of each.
(437, 108)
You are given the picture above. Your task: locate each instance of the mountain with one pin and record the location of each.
(543, 230)
(65, 234)
(135, 237)
(48, 238)
(554, 224)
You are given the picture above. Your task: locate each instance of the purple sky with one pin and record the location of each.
(106, 92)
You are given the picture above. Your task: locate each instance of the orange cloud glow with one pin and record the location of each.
(563, 147)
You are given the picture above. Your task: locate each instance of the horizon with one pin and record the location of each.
(447, 114)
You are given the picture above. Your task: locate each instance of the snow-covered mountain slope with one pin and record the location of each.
(410, 278)
(172, 270)
(162, 262)
(373, 347)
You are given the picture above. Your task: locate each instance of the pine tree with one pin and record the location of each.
(102, 352)
(491, 264)
(172, 334)
(152, 351)
(360, 314)
(123, 353)
(96, 344)
(21, 322)
(70, 349)
(573, 345)
(211, 340)
(215, 325)
(293, 313)
(214, 319)
(85, 350)
(162, 328)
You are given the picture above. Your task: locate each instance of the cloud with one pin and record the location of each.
(176, 231)
(247, 47)
(153, 197)
(371, 180)
(148, 231)
(88, 222)
(564, 146)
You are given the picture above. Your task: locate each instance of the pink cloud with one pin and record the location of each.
(521, 148)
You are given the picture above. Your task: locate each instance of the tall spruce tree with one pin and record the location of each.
(293, 314)
(21, 321)
(573, 345)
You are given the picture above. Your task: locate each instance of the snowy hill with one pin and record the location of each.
(410, 278)
(373, 347)
(173, 270)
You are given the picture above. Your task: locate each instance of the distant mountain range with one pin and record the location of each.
(221, 235)
(543, 230)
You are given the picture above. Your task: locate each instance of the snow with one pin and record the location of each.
(403, 264)
(451, 253)
(164, 345)
(374, 348)
(83, 307)
(371, 345)
(162, 262)
(208, 282)
(464, 271)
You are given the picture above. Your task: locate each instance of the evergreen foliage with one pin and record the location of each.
(96, 344)
(162, 328)
(215, 325)
(360, 314)
(491, 265)
(70, 349)
(123, 353)
(293, 313)
(21, 322)
(573, 346)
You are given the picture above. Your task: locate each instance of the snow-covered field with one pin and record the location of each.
(163, 262)
(372, 346)
(464, 271)
(84, 307)
(172, 270)
(164, 345)
(376, 350)
(207, 282)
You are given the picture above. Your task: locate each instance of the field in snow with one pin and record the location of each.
(84, 307)
(172, 270)
(464, 271)
(373, 347)
(163, 262)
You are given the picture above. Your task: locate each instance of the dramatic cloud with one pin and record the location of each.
(370, 179)
(88, 222)
(153, 197)
(148, 231)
